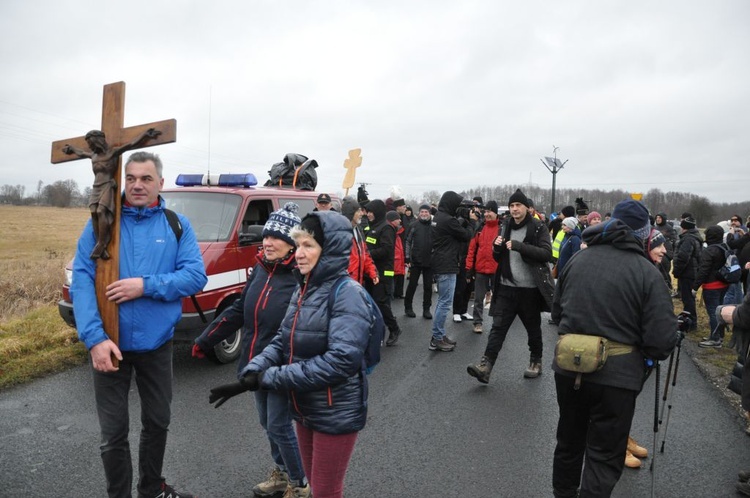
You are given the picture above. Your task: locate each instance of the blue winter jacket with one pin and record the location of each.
(258, 312)
(571, 244)
(317, 354)
(170, 271)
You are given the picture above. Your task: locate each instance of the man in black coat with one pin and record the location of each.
(687, 257)
(609, 290)
(381, 241)
(418, 255)
(449, 233)
(523, 286)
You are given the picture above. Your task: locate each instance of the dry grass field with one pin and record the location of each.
(35, 244)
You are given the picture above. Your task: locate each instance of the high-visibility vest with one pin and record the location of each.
(557, 243)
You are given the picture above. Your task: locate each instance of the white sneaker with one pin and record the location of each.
(467, 316)
(457, 318)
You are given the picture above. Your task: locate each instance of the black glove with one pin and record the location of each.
(249, 382)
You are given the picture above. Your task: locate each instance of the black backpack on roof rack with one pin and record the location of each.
(296, 171)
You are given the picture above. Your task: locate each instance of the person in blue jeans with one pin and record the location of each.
(451, 230)
(259, 313)
(712, 258)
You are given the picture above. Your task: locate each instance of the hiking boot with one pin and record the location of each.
(743, 488)
(467, 316)
(426, 314)
(441, 345)
(297, 492)
(631, 461)
(393, 337)
(534, 370)
(477, 328)
(449, 340)
(711, 343)
(637, 450)
(277, 482)
(168, 491)
(481, 371)
(410, 313)
(457, 318)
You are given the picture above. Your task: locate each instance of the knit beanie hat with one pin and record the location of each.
(655, 239)
(568, 211)
(518, 196)
(281, 222)
(570, 223)
(392, 216)
(635, 215)
(688, 222)
(311, 224)
(491, 206)
(424, 206)
(591, 216)
(349, 206)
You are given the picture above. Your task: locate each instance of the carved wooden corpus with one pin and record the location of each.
(113, 120)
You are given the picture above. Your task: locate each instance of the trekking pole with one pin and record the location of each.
(674, 383)
(656, 427)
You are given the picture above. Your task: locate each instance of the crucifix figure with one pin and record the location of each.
(106, 157)
(105, 161)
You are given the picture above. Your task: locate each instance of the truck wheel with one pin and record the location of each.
(228, 350)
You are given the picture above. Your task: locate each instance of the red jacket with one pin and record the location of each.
(360, 261)
(399, 262)
(480, 257)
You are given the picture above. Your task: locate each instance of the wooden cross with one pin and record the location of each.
(113, 117)
(351, 164)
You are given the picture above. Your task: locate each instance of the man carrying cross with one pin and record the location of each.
(156, 269)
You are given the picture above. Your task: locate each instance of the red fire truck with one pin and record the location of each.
(227, 213)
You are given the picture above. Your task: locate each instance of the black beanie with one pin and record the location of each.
(688, 222)
(491, 206)
(311, 224)
(568, 211)
(518, 196)
(424, 206)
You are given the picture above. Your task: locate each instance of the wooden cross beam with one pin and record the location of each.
(118, 139)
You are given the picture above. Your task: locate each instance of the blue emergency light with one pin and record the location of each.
(224, 180)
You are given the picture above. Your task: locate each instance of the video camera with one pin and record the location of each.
(684, 322)
(466, 207)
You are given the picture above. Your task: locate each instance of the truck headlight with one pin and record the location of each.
(68, 276)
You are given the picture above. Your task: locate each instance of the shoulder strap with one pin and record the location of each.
(174, 223)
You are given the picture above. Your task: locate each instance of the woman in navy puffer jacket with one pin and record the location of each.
(317, 356)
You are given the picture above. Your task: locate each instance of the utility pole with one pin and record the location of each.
(554, 165)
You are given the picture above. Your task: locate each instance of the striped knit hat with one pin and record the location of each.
(281, 222)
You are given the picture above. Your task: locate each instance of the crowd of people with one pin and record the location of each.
(319, 284)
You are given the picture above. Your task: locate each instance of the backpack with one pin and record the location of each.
(295, 171)
(371, 356)
(730, 272)
(176, 226)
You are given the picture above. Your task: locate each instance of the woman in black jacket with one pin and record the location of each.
(259, 313)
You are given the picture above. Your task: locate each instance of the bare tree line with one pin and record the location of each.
(62, 193)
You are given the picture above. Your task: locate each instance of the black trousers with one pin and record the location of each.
(382, 295)
(462, 294)
(509, 302)
(398, 286)
(414, 274)
(685, 286)
(153, 376)
(592, 435)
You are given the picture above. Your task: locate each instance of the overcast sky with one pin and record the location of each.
(438, 94)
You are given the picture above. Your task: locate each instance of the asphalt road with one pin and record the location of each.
(432, 430)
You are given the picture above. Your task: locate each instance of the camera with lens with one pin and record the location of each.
(465, 209)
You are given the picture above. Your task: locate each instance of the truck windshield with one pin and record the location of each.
(212, 215)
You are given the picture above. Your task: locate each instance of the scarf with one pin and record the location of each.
(504, 263)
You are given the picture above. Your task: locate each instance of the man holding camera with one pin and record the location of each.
(627, 305)
(452, 227)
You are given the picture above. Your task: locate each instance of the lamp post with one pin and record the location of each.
(554, 165)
